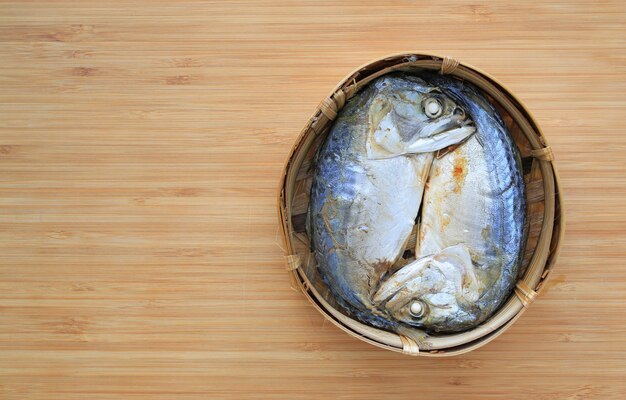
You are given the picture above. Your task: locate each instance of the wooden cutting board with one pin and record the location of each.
(140, 149)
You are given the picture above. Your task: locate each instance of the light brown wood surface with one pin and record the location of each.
(140, 149)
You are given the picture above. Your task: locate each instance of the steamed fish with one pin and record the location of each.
(368, 184)
(472, 230)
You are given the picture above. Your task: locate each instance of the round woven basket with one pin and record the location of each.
(544, 210)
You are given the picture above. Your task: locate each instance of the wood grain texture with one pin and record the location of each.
(140, 149)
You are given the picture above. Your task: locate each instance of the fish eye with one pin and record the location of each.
(432, 108)
(417, 308)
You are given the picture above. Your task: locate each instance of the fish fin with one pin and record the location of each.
(479, 139)
(417, 335)
(442, 152)
(409, 242)
(449, 149)
(418, 229)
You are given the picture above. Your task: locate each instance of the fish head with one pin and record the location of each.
(436, 292)
(409, 116)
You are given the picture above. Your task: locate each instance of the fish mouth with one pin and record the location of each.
(401, 286)
(442, 138)
(452, 264)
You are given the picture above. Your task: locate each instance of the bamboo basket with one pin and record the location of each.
(545, 217)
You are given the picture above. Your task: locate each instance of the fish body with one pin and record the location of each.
(473, 217)
(368, 184)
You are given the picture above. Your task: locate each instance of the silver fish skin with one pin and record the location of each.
(472, 231)
(368, 184)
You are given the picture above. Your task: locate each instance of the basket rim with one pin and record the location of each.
(550, 239)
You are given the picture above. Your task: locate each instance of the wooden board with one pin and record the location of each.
(140, 149)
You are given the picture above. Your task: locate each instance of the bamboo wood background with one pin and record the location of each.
(140, 149)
